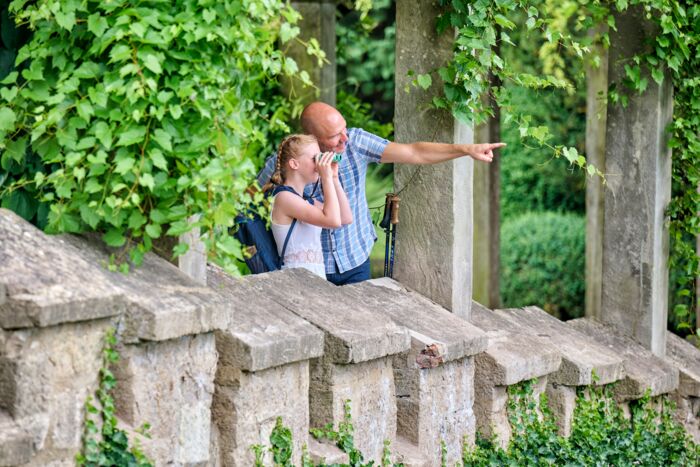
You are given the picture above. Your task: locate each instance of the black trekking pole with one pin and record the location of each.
(386, 225)
(394, 223)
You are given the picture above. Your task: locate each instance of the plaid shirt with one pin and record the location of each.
(349, 246)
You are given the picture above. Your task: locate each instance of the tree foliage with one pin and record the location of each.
(140, 119)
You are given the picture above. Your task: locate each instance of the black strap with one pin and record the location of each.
(279, 189)
(286, 240)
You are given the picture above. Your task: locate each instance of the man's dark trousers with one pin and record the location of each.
(358, 274)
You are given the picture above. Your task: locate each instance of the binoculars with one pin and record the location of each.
(336, 158)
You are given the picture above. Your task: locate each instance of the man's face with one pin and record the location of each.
(333, 134)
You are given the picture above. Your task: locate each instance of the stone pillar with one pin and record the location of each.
(487, 215)
(596, 118)
(318, 22)
(434, 241)
(638, 164)
(194, 262)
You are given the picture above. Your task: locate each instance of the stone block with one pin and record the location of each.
(426, 321)
(688, 413)
(21, 439)
(46, 375)
(491, 408)
(354, 332)
(407, 454)
(43, 278)
(369, 386)
(434, 380)
(581, 357)
(247, 404)
(512, 355)
(435, 406)
(686, 357)
(163, 302)
(562, 403)
(169, 384)
(326, 454)
(643, 370)
(261, 332)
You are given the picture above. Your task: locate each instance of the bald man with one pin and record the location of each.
(346, 249)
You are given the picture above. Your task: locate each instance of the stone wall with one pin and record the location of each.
(211, 367)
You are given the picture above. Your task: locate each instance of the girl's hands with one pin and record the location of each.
(325, 166)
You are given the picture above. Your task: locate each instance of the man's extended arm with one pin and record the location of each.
(432, 153)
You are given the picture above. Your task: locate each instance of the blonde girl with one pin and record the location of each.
(299, 163)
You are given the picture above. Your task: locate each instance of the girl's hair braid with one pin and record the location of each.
(287, 150)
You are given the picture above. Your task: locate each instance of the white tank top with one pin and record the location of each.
(304, 247)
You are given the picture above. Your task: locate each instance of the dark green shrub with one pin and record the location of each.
(529, 182)
(543, 261)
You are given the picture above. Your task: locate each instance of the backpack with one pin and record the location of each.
(259, 243)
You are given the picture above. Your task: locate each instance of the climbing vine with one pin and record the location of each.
(483, 29)
(600, 433)
(104, 443)
(140, 119)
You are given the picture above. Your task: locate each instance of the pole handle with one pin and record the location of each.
(395, 209)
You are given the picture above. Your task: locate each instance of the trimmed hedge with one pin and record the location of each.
(543, 263)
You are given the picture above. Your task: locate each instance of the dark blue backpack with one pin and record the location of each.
(257, 239)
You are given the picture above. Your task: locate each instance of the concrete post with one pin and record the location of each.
(434, 242)
(638, 164)
(596, 118)
(194, 262)
(318, 22)
(487, 216)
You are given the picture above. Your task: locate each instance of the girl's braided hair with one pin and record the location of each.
(288, 149)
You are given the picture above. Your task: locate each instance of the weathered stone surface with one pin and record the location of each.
(43, 279)
(512, 355)
(369, 386)
(562, 403)
(164, 303)
(326, 453)
(46, 375)
(436, 405)
(638, 163)
(688, 414)
(434, 380)
(427, 322)
(434, 241)
(15, 445)
(581, 357)
(246, 407)
(491, 409)
(170, 385)
(354, 332)
(643, 369)
(407, 454)
(261, 332)
(686, 357)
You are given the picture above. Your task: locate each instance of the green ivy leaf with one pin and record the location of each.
(152, 63)
(424, 81)
(97, 24)
(7, 119)
(132, 136)
(114, 238)
(163, 138)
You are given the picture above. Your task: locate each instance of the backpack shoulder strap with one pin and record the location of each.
(286, 240)
(281, 188)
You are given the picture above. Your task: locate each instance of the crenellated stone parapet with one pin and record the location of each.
(210, 368)
(356, 364)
